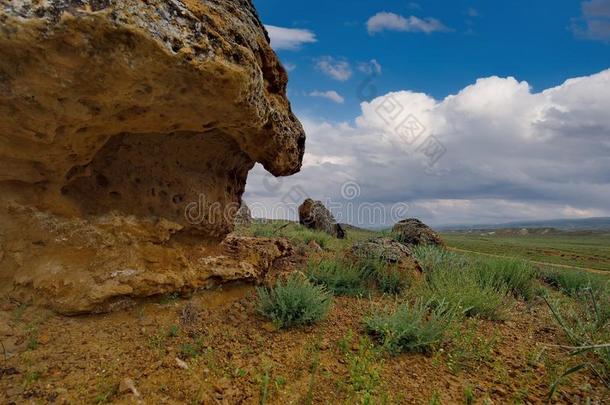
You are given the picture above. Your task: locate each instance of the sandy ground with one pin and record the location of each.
(233, 355)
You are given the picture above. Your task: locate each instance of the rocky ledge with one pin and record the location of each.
(129, 128)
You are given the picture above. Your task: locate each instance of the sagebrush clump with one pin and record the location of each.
(293, 302)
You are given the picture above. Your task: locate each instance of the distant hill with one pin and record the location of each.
(581, 224)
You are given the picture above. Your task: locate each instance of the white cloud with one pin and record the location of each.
(394, 22)
(336, 69)
(371, 67)
(289, 38)
(289, 66)
(331, 95)
(511, 154)
(595, 21)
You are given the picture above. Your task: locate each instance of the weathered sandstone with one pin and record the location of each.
(127, 130)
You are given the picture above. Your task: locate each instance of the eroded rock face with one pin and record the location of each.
(314, 215)
(149, 111)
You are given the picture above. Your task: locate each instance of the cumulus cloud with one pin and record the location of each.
(331, 95)
(336, 69)
(509, 154)
(289, 38)
(383, 21)
(595, 21)
(371, 67)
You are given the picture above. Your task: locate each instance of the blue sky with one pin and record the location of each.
(512, 98)
(530, 40)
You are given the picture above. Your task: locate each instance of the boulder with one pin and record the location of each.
(243, 217)
(385, 248)
(314, 215)
(414, 232)
(388, 250)
(128, 128)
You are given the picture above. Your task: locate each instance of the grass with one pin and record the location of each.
(573, 281)
(514, 275)
(457, 281)
(299, 235)
(293, 302)
(411, 328)
(468, 348)
(591, 250)
(338, 276)
(586, 323)
(364, 368)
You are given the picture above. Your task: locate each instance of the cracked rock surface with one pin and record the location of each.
(129, 128)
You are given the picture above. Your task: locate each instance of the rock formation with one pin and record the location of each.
(243, 216)
(412, 231)
(127, 130)
(390, 251)
(314, 215)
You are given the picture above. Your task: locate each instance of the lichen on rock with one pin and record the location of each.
(146, 112)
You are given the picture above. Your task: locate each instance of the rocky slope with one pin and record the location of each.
(127, 130)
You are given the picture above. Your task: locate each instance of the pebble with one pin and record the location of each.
(181, 364)
(127, 385)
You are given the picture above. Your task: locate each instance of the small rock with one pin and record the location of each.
(127, 385)
(269, 327)
(181, 364)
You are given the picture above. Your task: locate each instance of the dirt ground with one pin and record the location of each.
(231, 354)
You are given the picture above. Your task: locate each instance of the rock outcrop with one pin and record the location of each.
(243, 216)
(129, 129)
(314, 215)
(412, 231)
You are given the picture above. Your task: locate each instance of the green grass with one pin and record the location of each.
(338, 276)
(458, 281)
(293, 302)
(392, 280)
(300, 235)
(572, 281)
(580, 250)
(411, 328)
(517, 276)
(586, 323)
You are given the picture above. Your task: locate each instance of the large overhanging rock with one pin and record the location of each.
(151, 110)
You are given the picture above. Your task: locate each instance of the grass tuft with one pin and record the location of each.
(338, 276)
(453, 279)
(411, 328)
(293, 302)
(517, 276)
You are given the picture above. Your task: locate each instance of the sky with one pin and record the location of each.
(455, 112)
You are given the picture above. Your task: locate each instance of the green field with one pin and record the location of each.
(588, 250)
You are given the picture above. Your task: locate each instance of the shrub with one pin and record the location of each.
(293, 302)
(411, 328)
(517, 276)
(391, 280)
(339, 277)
